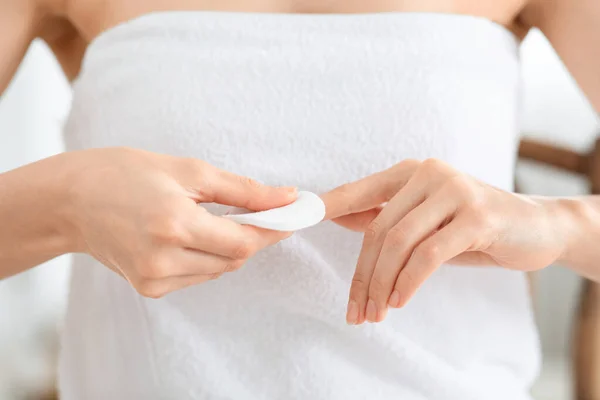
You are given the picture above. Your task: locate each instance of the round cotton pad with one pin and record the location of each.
(307, 210)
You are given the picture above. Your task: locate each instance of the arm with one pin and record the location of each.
(581, 219)
(33, 209)
(96, 201)
(573, 29)
(16, 33)
(419, 215)
(44, 241)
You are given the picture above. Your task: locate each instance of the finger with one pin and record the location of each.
(116, 270)
(218, 186)
(179, 268)
(167, 263)
(244, 192)
(177, 283)
(360, 221)
(265, 237)
(409, 197)
(221, 236)
(450, 241)
(369, 192)
(160, 288)
(163, 272)
(355, 313)
(473, 258)
(400, 242)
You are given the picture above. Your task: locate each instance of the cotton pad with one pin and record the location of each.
(307, 210)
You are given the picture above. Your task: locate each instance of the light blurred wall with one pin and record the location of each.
(555, 110)
(31, 113)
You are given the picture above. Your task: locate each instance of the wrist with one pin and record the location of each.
(570, 220)
(56, 177)
(35, 223)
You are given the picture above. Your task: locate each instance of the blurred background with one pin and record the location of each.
(32, 304)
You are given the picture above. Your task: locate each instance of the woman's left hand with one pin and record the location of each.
(419, 215)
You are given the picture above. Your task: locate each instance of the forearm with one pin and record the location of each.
(34, 215)
(579, 220)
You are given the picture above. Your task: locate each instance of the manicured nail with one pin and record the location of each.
(395, 299)
(371, 311)
(352, 313)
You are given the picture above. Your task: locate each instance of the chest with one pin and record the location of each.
(304, 103)
(91, 17)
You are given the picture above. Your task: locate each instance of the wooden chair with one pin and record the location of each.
(586, 329)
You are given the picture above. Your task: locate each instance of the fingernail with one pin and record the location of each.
(382, 314)
(395, 299)
(290, 189)
(371, 311)
(352, 313)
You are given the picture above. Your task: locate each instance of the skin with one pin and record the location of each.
(96, 202)
(436, 215)
(416, 215)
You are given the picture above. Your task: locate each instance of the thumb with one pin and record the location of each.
(226, 188)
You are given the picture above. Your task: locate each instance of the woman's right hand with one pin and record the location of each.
(137, 212)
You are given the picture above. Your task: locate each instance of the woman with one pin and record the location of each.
(311, 95)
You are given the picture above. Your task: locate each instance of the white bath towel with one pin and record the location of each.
(313, 101)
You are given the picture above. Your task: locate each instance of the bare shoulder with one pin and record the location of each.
(17, 15)
(16, 32)
(22, 21)
(15, 7)
(56, 26)
(548, 14)
(573, 29)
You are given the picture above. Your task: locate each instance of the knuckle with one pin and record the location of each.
(432, 166)
(232, 266)
(345, 196)
(249, 182)
(409, 163)
(214, 276)
(476, 208)
(579, 207)
(196, 166)
(166, 228)
(150, 289)
(408, 281)
(344, 190)
(359, 281)
(465, 188)
(243, 250)
(377, 286)
(374, 230)
(172, 232)
(428, 252)
(472, 198)
(397, 238)
(458, 183)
